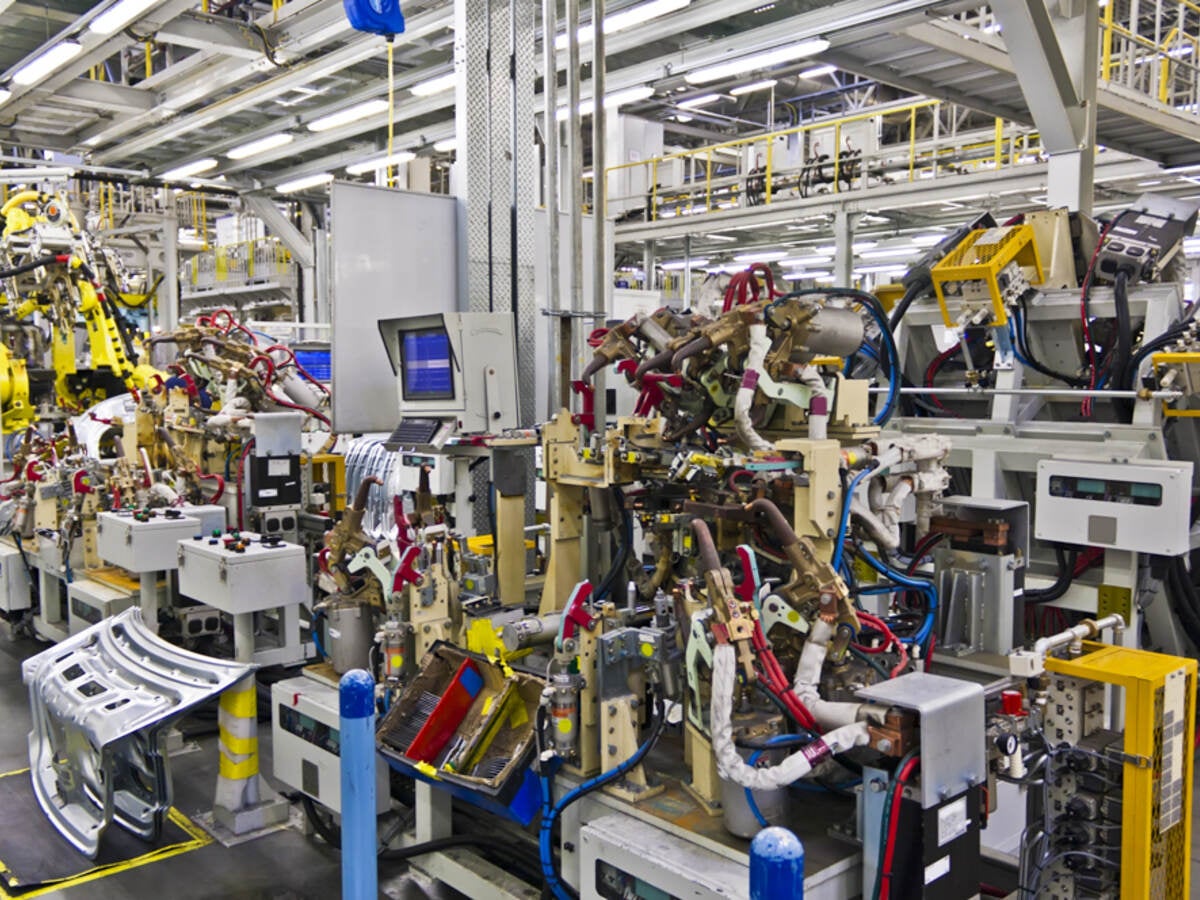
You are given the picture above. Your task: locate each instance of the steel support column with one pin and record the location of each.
(843, 256)
(166, 314)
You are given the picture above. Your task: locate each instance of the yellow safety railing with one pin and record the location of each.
(700, 189)
(242, 263)
(1156, 52)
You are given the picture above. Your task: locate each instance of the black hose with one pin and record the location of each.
(1185, 599)
(1027, 352)
(1124, 348)
(328, 831)
(29, 266)
(621, 560)
(1066, 575)
(915, 290)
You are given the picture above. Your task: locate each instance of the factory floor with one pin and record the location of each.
(284, 865)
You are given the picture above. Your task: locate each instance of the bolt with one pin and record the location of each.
(884, 745)
(943, 792)
(612, 710)
(830, 495)
(612, 749)
(878, 785)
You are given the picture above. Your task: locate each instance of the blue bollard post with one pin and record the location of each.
(356, 695)
(776, 865)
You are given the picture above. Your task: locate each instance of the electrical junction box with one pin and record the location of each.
(263, 574)
(48, 554)
(440, 471)
(212, 517)
(143, 541)
(305, 743)
(90, 602)
(14, 580)
(1142, 506)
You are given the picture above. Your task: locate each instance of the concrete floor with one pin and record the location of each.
(286, 865)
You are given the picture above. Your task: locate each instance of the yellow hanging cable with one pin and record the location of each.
(391, 111)
(149, 58)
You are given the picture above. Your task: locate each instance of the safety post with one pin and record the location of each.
(776, 865)
(356, 693)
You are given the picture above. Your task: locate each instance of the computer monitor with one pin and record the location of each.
(455, 367)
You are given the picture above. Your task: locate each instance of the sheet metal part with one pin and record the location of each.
(101, 703)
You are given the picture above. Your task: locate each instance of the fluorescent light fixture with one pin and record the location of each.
(683, 120)
(1150, 183)
(446, 146)
(702, 100)
(881, 270)
(434, 85)
(627, 18)
(815, 260)
(926, 240)
(119, 15)
(92, 141)
(5, 93)
(37, 173)
(676, 264)
(796, 276)
(818, 72)
(300, 184)
(45, 63)
(754, 86)
(348, 115)
(778, 56)
(760, 256)
(888, 253)
(189, 170)
(382, 162)
(723, 238)
(615, 100)
(262, 145)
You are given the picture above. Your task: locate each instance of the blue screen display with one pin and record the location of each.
(427, 365)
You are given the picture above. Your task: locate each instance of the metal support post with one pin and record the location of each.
(356, 722)
(601, 279)
(167, 303)
(559, 395)
(687, 271)
(148, 590)
(648, 262)
(776, 865)
(574, 193)
(843, 256)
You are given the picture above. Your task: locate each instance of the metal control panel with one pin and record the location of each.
(143, 540)
(1141, 506)
(242, 572)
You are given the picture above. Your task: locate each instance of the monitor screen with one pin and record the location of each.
(426, 372)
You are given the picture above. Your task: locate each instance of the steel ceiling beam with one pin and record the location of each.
(263, 206)
(211, 33)
(107, 95)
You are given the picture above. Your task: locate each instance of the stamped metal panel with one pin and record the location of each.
(394, 253)
(100, 701)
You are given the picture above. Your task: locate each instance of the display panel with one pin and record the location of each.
(1106, 490)
(426, 365)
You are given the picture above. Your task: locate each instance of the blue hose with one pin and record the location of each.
(844, 525)
(770, 744)
(924, 587)
(551, 810)
(314, 629)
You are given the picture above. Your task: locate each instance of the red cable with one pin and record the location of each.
(929, 654)
(934, 367)
(1086, 406)
(240, 471)
(892, 641)
(215, 498)
(885, 873)
(299, 368)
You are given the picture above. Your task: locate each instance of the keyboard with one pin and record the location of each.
(413, 432)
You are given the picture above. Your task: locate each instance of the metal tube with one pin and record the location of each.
(559, 395)
(1036, 392)
(575, 176)
(356, 721)
(599, 182)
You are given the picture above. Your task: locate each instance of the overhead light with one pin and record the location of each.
(37, 173)
(382, 162)
(816, 260)
(300, 184)
(189, 170)
(724, 238)
(684, 264)
(45, 63)
(615, 100)
(435, 85)
(881, 270)
(5, 93)
(628, 18)
(754, 86)
(446, 146)
(760, 256)
(818, 72)
(926, 240)
(796, 276)
(1151, 183)
(262, 145)
(888, 253)
(778, 56)
(119, 15)
(693, 102)
(348, 115)
(682, 119)
(91, 141)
